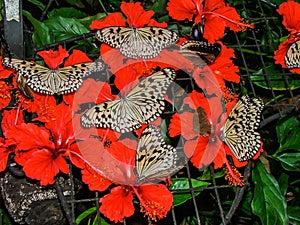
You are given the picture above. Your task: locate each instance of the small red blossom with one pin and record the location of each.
(291, 17)
(5, 94)
(53, 58)
(215, 15)
(118, 204)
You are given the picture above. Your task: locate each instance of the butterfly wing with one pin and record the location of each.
(47, 81)
(143, 104)
(239, 131)
(154, 158)
(200, 53)
(292, 57)
(146, 42)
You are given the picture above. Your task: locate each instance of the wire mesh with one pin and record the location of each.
(279, 102)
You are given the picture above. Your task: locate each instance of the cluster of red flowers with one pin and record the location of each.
(291, 20)
(50, 132)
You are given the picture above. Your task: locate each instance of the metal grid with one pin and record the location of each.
(279, 103)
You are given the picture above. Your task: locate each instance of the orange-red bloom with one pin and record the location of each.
(53, 58)
(5, 94)
(118, 204)
(214, 14)
(291, 20)
(291, 17)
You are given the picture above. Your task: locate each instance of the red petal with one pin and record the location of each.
(291, 17)
(29, 136)
(43, 166)
(118, 204)
(136, 15)
(113, 19)
(183, 9)
(95, 181)
(5, 94)
(77, 57)
(214, 28)
(53, 58)
(156, 200)
(5, 72)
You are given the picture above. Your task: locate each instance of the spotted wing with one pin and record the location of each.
(154, 158)
(240, 128)
(146, 42)
(143, 104)
(47, 81)
(292, 57)
(200, 53)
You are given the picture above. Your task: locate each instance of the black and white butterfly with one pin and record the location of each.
(47, 81)
(155, 160)
(240, 128)
(142, 105)
(146, 42)
(200, 53)
(292, 57)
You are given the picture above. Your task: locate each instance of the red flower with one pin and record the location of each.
(215, 14)
(155, 201)
(53, 58)
(95, 181)
(135, 14)
(5, 94)
(291, 17)
(118, 204)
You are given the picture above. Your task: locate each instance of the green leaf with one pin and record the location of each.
(290, 161)
(86, 21)
(159, 6)
(85, 214)
(283, 182)
(182, 185)
(38, 4)
(268, 202)
(288, 130)
(67, 12)
(64, 28)
(274, 81)
(294, 215)
(41, 35)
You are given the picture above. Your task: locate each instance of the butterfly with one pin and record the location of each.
(155, 159)
(142, 105)
(200, 53)
(239, 131)
(47, 81)
(146, 42)
(292, 57)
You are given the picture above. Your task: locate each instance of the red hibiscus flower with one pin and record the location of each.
(291, 20)
(7, 146)
(41, 158)
(155, 202)
(291, 17)
(215, 15)
(118, 204)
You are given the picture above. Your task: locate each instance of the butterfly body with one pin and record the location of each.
(145, 42)
(48, 81)
(292, 57)
(239, 131)
(155, 160)
(142, 105)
